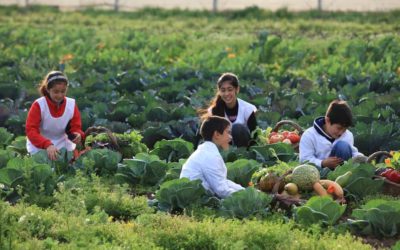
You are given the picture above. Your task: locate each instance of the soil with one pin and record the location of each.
(380, 243)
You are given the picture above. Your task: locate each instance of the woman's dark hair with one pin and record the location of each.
(217, 105)
(211, 124)
(52, 78)
(339, 112)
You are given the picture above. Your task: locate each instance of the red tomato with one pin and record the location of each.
(285, 134)
(272, 133)
(293, 137)
(276, 138)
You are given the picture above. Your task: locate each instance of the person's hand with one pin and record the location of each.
(331, 162)
(52, 152)
(77, 139)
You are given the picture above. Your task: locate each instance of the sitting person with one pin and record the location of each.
(206, 162)
(240, 113)
(328, 142)
(53, 121)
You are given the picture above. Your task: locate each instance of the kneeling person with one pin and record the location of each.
(206, 162)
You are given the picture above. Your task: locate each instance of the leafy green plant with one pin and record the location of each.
(36, 180)
(246, 203)
(178, 194)
(272, 153)
(5, 156)
(61, 165)
(172, 150)
(105, 160)
(319, 210)
(241, 171)
(361, 182)
(377, 217)
(18, 145)
(5, 137)
(143, 170)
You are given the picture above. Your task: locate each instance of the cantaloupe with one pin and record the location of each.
(304, 176)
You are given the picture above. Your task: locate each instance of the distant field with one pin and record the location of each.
(295, 5)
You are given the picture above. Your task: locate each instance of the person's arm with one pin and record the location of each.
(32, 128)
(307, 150)
(252, 122)
(215, 175)
(76, 122)
(75, 126)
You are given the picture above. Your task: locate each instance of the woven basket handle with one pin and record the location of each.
(275, 189)
(287, 122)
(99, 129)
(375, 155)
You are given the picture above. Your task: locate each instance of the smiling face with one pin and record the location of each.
(228, 93)
(223, 140)
(333, 130)
(58, 91)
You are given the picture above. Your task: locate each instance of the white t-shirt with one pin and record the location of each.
(206, 164)
(245, 109)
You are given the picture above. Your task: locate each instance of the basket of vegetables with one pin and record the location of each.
(390, 173)
(100, 137)
(291, 137)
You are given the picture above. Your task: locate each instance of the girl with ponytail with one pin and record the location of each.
(54, 120)
(240, 113)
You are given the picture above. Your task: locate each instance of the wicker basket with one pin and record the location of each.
(113, 144)
(292, 124)
(282, 201)
(389, 187)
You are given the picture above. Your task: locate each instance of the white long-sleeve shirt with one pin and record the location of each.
(206, 164)
(316, 145)
(245, 110)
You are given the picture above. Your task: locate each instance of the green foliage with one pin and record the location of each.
(179, 194)
(172, 150)
(319, 210)
(272, 153)
(241, 171)
(219, 233)
(377, 217)
(5, 137)
(18, 145)
(174, 170)
(372, 137)
(142, 170)
(246, 203)
(5, 156)
(61, 165)
(105, 160)
(131, 74)
(360, 182)
(33, 180)
(81, 195)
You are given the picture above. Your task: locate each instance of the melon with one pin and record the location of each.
(304, 176)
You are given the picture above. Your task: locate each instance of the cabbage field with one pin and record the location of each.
(143, 75)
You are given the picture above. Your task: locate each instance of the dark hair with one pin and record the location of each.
(339, 112)
(217, 105)
(211, 124)
(52, 78)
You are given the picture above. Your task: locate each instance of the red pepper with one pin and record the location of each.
(394, 176)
